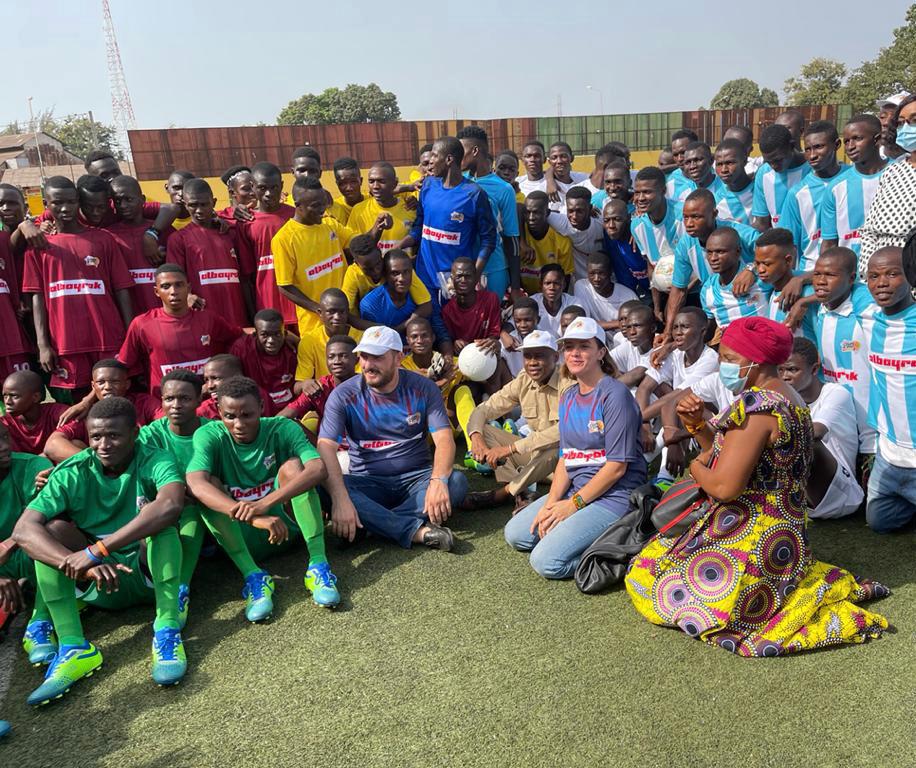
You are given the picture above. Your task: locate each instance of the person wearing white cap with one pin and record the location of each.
(887, 107)
(600, 463)
(394, 489)
(519, 462)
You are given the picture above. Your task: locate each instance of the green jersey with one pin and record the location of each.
(159, 435)
(100, 504)
(17, 489)
(248, 470)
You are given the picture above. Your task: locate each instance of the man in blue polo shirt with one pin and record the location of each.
(503, 266)
(400, 492)
(453, 218)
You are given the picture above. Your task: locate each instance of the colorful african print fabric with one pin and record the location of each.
(743, 577)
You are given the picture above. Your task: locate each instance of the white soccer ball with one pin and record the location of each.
(476, 364)
(664, 273)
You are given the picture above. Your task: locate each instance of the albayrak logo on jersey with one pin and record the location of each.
(577, 457)
(897, 363)
(217, 276)
(251, 494)
(143, 276)
(441, 236)
(319, 270)
(378, 445)
(266, 263)
(60, 288)
(195, 366)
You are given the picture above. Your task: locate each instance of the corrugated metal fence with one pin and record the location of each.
(209, 151)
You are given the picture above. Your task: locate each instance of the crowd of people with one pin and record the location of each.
(297, 358)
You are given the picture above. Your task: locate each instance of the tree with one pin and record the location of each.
(77, 133)
(820, 81)
(353, 104)
(893, 70)
(743, 93)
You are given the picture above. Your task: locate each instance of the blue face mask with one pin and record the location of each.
(731, 378)
(906, 137)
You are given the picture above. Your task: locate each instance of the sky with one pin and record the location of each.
(191, 64)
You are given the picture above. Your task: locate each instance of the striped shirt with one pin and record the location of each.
(657, 240)
(841, 342)
(808, 325)
(678, 186)
(771, 188)
(892, 359)
(846, 202)
(735, 206)
(801, 213)
(724, 307)
(690, 256)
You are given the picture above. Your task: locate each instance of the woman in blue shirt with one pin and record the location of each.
(601, 460)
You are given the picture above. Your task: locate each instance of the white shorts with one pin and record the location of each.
(843, 497)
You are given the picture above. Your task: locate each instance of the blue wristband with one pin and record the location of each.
(93, 556)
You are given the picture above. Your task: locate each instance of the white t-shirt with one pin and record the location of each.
(584, 241)
(600, 308)
(627, 357)
(514, 358)
(548, 322)
(527, 186)
(562, 187)
(835, 409)
(710, 389)
(682, 375)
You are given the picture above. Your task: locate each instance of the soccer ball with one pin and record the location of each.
(663, 274)
(476, 364)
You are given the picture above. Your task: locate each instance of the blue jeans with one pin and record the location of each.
(392, 505)
(891, 496)
(557, 554)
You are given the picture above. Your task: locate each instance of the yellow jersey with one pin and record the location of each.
(181, 223)
(553, 247)
(364, 214)
(311, 258)
(409, 364)
(311, 361)
(357, 284)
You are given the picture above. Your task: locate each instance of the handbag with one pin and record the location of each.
(680, 507)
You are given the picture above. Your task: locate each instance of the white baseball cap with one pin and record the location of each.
(584, 328)
(539, 340)
(892, 101)
(378, 340)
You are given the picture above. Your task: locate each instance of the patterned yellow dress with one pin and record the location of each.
(742, 577)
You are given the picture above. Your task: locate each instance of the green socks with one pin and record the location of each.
(228, 535)
(191, 534)
(164, 558)
(60, 599)
(307, 511)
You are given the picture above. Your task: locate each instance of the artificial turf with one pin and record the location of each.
(471, 659)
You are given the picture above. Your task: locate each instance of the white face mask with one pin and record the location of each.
(906, 137)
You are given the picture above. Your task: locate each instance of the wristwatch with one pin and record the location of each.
(752, 267)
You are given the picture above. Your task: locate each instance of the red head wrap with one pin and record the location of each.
(759, 339)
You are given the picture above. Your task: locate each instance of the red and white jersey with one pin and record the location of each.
(275, 374)
(12, 337)
(257, 258)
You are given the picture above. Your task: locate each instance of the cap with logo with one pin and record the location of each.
(539, 340)
(584, 328)
(378, 340)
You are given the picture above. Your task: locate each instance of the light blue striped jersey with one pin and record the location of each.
(678, 186)
(841, 343)
(801, 213)
(771, 188)
(808, 327)
(846, 202)
(657, 240)
(735, 206)
(892, 358)
(690, 256)
(724, 307)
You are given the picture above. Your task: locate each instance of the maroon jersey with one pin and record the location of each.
(211, 262)
(78, 274)
(479, 321)
(256, 258)
(167, 342)
(150, 212)
(12, 337)
(130, 238)
(275, 374)
(32, 439)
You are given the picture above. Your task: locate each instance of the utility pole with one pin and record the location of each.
(34, 126)
(122, 110)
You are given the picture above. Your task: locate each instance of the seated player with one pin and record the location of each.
(584, 232)
(832, 487)
(247, 466)
(109, 379)
(631, 357)
(783, 168)
(393, 489)
(737, 196)
(29, 422)
(383, 183)
(717, 295)
(123, 500)
(269, 359)
(390, 303)
(333, 312)
(426, 361)
(541, 244)
(599, 295)
(774, 258)
(174, 336)
(209, 257)
(552, 298)
(525, 319)
(18, 474)
(569, 314)
(629, 265)
(80, 274)
(519, 463)
(341, 361)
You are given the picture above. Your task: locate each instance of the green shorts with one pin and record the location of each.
(19, 566)
(257, 539)
(133, 588)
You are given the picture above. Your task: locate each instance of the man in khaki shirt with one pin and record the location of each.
(520, 461)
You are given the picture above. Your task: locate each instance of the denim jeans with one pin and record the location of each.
(392, 505)
(557, 554)
(891, 496)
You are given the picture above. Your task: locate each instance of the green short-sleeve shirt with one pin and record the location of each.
(17, 489)
(248, 471)
(158, 435)
(99, 504)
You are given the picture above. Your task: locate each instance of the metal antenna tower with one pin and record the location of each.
(122, 111)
